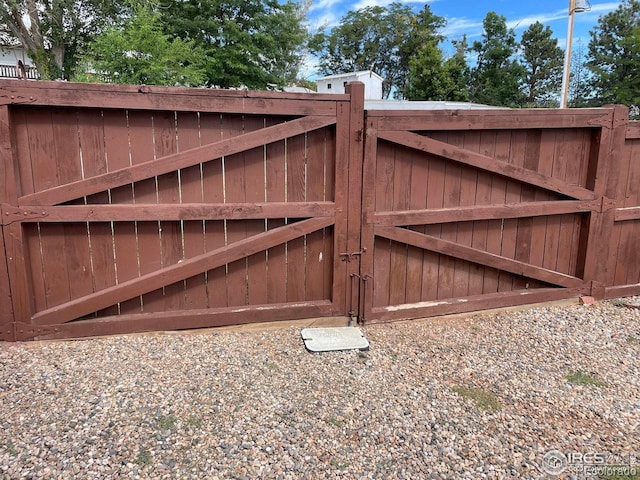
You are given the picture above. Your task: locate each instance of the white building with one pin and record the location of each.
(337, 83)
(9, 58)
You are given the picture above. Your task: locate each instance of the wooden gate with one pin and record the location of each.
(128, 209)
(469, 210)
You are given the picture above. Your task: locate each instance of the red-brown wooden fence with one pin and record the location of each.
(479, 209)
(129, 209)
(133, 208)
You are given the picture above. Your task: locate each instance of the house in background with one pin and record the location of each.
(9, 58)
(337, 83)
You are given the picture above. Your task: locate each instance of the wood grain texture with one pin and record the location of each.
(141, 124)
(166, 276)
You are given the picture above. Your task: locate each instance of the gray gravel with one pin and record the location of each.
(257, 405)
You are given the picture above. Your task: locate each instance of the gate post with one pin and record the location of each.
(7, 319)
(356, 152)
(15, 282)
(348, 178)
(604, 179)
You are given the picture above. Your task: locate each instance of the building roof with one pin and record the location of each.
(360, 73)
(425, 105)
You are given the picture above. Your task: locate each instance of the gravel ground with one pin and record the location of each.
(479, 397)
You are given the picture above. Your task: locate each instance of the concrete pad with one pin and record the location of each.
(334, 338)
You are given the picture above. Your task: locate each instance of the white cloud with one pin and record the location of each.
(323, 4)
(325, 20)
(473, 27)
(590, 15)
(459, 26)
(382, 3)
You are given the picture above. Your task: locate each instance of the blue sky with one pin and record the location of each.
(465, 16)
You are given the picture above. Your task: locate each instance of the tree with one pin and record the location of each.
(427, 79)
(542, 60)
(382, 39)
(614, 55)
(580, 91)
(55, 32)
(251, 43)
(432, 78)
(497, 76)
(140, 53)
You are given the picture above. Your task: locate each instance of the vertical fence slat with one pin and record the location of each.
(122, 235)
(497, 196)
(256, 192)
(165, 143)
(235, 191)
(213, 191)
(276, 192)
(316, 255)
(435, 199)
(419, 178)
(401, 196)
(94, 162)
(468, 185)
(141, 139)
(191, 192)
(367, 266)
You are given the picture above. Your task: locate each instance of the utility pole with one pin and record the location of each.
(575, 6)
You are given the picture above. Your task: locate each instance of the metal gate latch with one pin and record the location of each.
(348, 256)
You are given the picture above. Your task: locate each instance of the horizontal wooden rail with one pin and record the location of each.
(633, 130)
(477, 256)
(176, 161)
(622, 291)
(473, 303)
(627, 213)
(481, 212)
(474, 159)
(177, 320)
(491, 119)
(167, 98)
(188, 268)
(154, 212)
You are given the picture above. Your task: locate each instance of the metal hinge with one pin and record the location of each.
(11, 214)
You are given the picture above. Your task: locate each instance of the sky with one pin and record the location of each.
(465, 16)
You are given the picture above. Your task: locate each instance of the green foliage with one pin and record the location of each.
(614, 55)
(167, 422)
(542, 60)
(497, 76)
(433, 78)
(193, 421)
(382, 39)
(578, 377)
(308, 84)
(483, 399)
(143, 458)
(139, 53)
(252, 43)
(55, 33)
